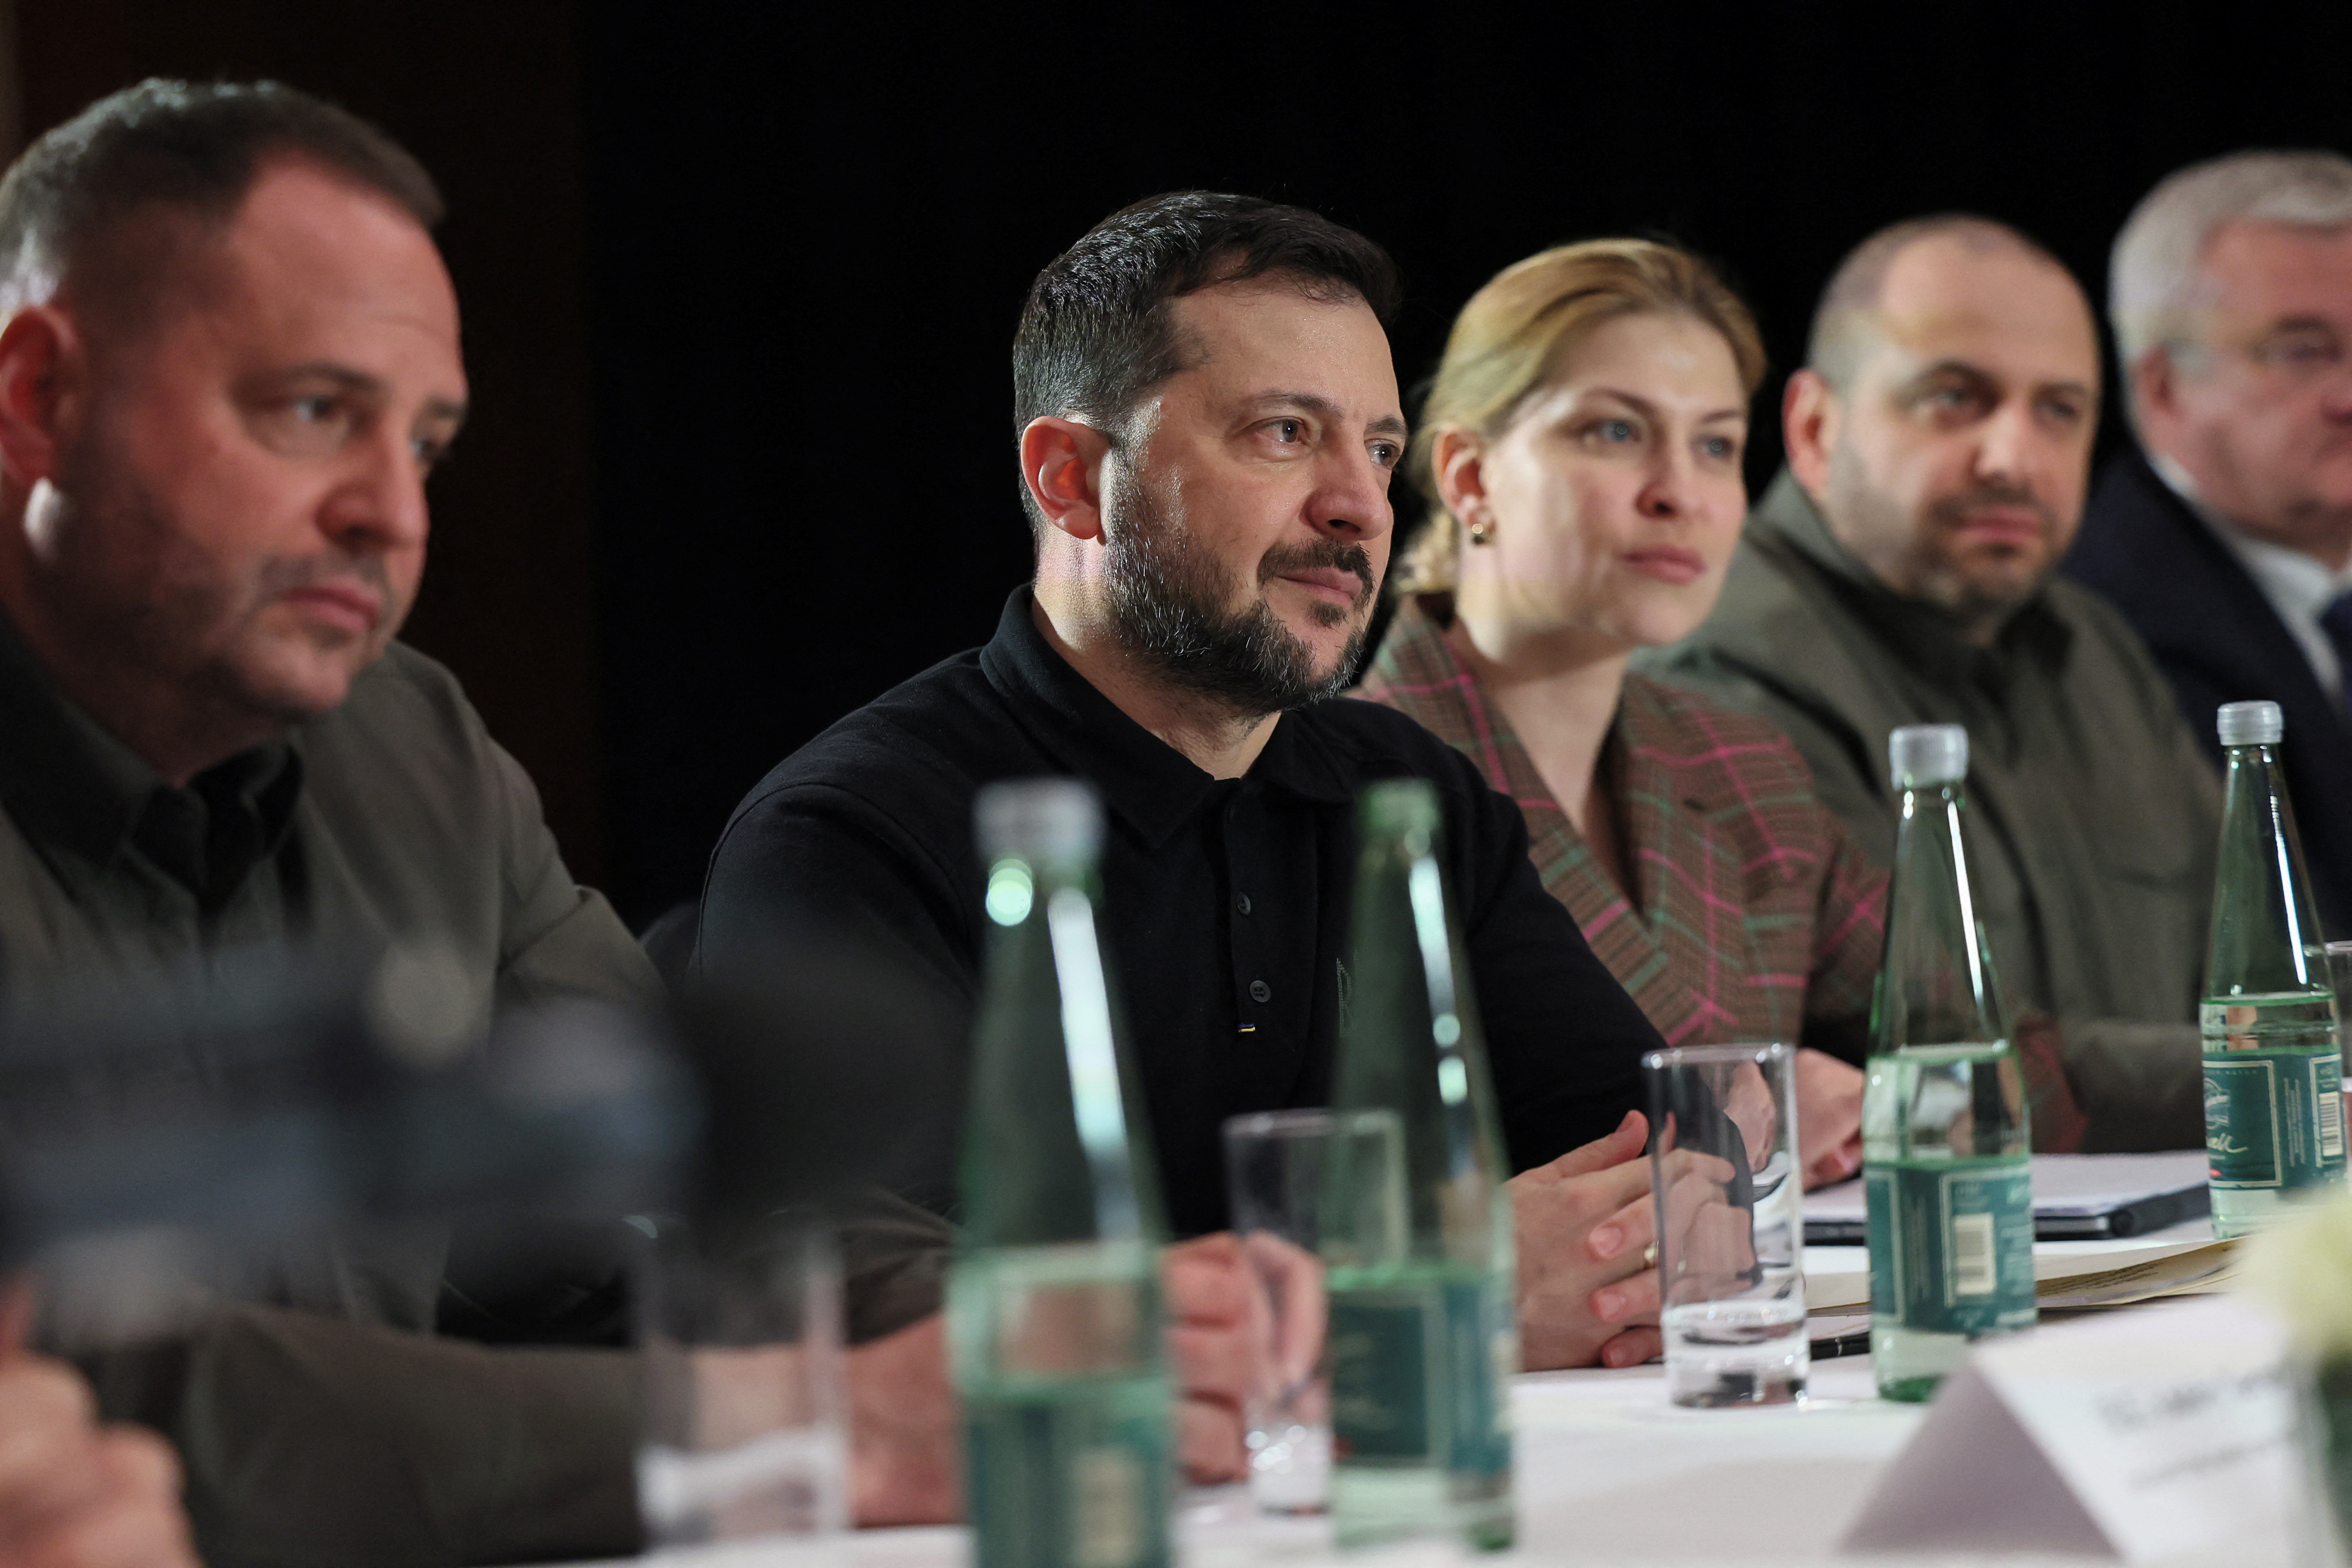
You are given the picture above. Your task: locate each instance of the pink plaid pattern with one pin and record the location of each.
(1751, 917)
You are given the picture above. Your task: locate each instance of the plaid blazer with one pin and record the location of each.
(1752, 917)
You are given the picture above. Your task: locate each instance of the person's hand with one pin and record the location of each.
(904, 1429)
(1217, 1336)
(1583, 1222)
(1754, 1114)
(1829, 1118)
(74, 1494)
(1289, 1309)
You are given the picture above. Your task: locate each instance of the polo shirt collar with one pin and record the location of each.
(72, 785)
(1147, 783)
(1923, 634)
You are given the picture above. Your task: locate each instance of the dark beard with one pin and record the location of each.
(1167, 603)
(145, 601)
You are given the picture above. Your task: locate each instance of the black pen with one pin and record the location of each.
(1854, 1344)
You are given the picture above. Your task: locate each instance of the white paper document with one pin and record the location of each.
(2151, 1436)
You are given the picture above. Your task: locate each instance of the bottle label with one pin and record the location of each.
(1951, 1245)
(1110, 1504)
(1417, 1375)
(1070, 1479)
(2274, 1119)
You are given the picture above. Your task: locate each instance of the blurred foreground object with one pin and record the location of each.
(2274, 1065)
(1275, 1163)
(273, 1096)
(1054, 1307)
(188, 1158)
(1417, 1229)
(2301, 1267)
(746, 1431)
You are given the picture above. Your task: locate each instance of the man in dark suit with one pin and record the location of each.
(2226, 539)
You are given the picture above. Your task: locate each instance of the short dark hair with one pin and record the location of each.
(1841, 329)
(192, 148)
(1097, 333)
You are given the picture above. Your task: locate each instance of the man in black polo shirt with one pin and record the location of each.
(1209, 421)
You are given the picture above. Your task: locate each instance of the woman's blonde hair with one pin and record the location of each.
(1510, 340)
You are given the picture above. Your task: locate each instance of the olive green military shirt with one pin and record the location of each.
(326, 1424)
(2094, 815)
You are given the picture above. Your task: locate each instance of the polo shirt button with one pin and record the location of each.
(1241, 904)
(1260, 991)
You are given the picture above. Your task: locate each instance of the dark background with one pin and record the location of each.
(739, 282)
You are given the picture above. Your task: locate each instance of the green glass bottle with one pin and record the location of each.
(2274, 1074)
(1053, 1309)
(1946, 1150)
(1417, 1226)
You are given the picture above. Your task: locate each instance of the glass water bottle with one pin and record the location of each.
(2273, 1072)
(1053, 1307)
(1946, 1147)
(1417, 1233)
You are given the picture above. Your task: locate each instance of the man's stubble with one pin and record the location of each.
(1168, 606)
(136, 592)
(1906, 553)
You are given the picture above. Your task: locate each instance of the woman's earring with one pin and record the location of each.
(1480, 532)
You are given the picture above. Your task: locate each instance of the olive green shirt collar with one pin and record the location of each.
(1923, 635)
(84, 800)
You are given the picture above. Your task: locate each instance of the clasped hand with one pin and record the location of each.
(1588, 1281)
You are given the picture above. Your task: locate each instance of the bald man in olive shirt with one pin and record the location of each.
(1901, 571)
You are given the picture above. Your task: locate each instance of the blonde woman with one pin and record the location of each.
(1580, 450)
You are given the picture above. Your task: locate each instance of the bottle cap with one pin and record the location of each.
(2250, 723)
(1398, 805)
(1922, 754)
(1038, 819)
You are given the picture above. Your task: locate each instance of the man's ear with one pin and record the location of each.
(1061, 462)
(39, 353)
(2154, 387)
(1809, 426)
(1458, 460)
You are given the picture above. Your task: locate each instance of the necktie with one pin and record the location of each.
(2335, 620)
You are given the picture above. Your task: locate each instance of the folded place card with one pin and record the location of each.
(2143, 1434)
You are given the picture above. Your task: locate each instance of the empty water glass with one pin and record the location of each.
(1727, 1189)
(2340, 975)
(745, 1410)
(1273, 1170)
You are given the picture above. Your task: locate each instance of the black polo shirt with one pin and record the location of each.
(1225, 901)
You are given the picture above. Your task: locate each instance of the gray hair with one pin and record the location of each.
(2152, 279)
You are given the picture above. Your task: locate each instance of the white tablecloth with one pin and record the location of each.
(1608, 1474)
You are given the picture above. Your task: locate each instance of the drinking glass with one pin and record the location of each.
(1727, 1189)
(1274, 1164)
(2339, 973)
(745, 1410)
